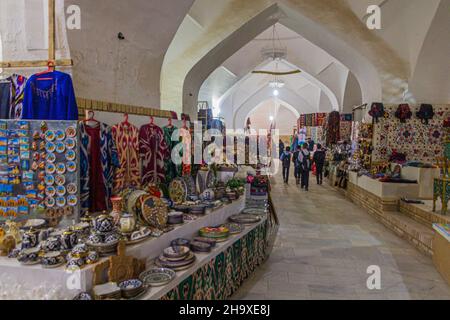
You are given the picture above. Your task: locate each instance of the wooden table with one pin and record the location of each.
(441, 248)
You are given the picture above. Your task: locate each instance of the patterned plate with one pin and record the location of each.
(178, 190)
(71, 132)
(210, 179)
(245, 218)
(156, 277)
(234, 228)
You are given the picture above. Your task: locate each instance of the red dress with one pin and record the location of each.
(97, 192)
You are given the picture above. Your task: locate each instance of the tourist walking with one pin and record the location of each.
(286, 162)
(304, 158)
(319, 160)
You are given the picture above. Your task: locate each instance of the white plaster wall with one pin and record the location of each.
(21, 41)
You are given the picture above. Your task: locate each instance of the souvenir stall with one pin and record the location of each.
(312, 126)
(407, 145)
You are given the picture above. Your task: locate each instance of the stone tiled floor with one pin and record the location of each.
(324, 246)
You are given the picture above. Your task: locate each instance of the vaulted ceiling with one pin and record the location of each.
(172, 47)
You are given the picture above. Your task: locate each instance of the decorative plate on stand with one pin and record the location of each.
(190, 185)
(178, 190)
(210, 179)
(154, 212)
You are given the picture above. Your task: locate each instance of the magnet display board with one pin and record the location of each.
(39, 176)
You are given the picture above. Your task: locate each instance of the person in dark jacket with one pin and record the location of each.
(281, 146)
(297, 170)
(286, 161)
(311, 144)
(319, 160)
(304, 158)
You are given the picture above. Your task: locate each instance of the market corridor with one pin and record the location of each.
(325, 244)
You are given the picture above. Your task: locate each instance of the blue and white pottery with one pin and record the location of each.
(29, 256)
(103, 223)
(30, 239)
(112, 237)
(95, 238)
(52, 244)
(69, 239)
(80, 249)
(52, 259)
(130, 284)
(92, 257)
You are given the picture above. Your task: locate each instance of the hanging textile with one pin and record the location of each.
(320, 119)
(98, 160)
(50, 96)
(17, 95)
(5, 91)
(187, 142)
(171, 170)
(126, 138)
(152, 150)
(333, 128)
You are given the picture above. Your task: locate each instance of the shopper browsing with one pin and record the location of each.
(304, 158)
(297, 169)
(286, 161)
(319, 160)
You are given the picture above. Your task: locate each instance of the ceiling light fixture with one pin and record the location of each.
(271, 118)
(276, 93)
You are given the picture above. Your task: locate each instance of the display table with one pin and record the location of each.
(218, 274)
(425, 178)
(441, 189)
(34, 282)
(385, 190)
(441, 247)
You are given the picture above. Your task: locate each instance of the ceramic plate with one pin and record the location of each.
(61, 168)
(72, 188)
(245, 218)
(50, 147)
(34, 223)
(60, 147)
(50, 191)
(51, 157)
(60, 180)
(71, 143)
(71, 132)
(60, 201)
(234, 228)
(72, 200)
(50, 135)
(61, 190)
(60, 135)
(254, 210)
(71, 166)
(157, 276)
(50, 202)
(71, 155)
(49, 180)
(176, 252)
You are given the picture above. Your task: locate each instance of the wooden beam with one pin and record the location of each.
(51, 30)
(35, 64)
(95, 105)
(277, 73)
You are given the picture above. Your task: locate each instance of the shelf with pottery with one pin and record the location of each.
(65, 284)
(155, 293)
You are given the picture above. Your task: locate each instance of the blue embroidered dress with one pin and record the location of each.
(50, 96)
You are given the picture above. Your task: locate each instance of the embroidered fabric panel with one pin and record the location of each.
(417, 140)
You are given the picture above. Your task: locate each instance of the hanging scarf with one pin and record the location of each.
(403, 113)
(17, 93)
(376, 111)
(152, 150)
(109, 162)
(333, 128)
(126, 138)
(171, 170)
(425, 113)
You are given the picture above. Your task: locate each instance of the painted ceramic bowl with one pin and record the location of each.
(50, 135)
(71, 166)
(180, 242)
(75, 262)
(69, 239)
(60, 147)
(131, 288)
(71, 143)
(61, 168)
(51, 157)
(175, 217)
(49, 180)
(52, 244)
(92, 257)
(103, 223)
(52, 259)
(198, 246)
(60, 201)
(111, 237)
(50, 168)
(60, 135)
(29, 256)
(60, 180)
(176, 252)
(72, 200)
(72, 188)
(95, 238)
(80, 250)
(83, 296)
